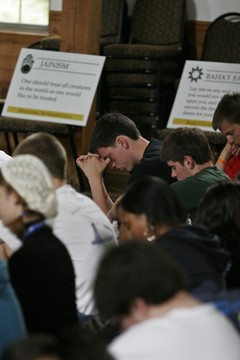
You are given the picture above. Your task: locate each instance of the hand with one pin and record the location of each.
(235, 150)
(92, 164)
(227, 152)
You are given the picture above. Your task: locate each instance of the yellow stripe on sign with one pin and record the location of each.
(45, 113)
(192, 122)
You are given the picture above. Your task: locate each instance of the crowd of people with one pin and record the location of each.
(164, 283)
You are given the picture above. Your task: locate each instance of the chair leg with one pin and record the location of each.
(15, 137)
(6, 136)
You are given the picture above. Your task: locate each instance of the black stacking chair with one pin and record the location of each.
(140, 76)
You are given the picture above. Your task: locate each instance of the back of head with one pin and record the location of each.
(47, 148)
(186, 141)
(156, 199)
(108, 127)
(33, 347)
(228, 109)
(77, 343)
(219, 211)
(135, 270)
(30, 178)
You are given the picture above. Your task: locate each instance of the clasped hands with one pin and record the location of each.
(92, 164)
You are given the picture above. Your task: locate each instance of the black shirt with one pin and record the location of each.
(151, 164)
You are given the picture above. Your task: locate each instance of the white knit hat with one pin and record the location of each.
(31, 179)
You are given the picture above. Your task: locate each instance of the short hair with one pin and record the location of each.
(47, 148)
(108, 127)
(157, 200)
(228, 109)
(135, 270)
(219, 211)
(32, 347)
(186, 141)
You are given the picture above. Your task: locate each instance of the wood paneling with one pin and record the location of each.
(78, 25)
(197, 31)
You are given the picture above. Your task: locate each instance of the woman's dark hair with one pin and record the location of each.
(219, 211)
(156, 199)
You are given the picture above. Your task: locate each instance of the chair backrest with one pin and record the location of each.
(158, 22)
(222, 39)
(48, 43)
(113, 22)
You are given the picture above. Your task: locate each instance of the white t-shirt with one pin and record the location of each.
(4, 157)
(193, 333)
(86, 232)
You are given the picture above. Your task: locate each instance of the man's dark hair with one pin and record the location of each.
(108, 127)
(186, 141)
(228, 109)
(135, 270)
(157, 201)
(47, 148)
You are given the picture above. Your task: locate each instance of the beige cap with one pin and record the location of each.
(29, 176)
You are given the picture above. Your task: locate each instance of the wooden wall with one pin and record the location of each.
(79, 26)
(11, 42)
(197, 31)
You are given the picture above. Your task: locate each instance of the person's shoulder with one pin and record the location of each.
(212, 172)
(67, 197)
(4, 157)
(182, 184)
(154, 147)
(151, 167)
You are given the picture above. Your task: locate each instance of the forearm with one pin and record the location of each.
(100, 194)
(224, 157)
(5, 251)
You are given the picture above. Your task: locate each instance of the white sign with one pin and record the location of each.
(53, 86)
(201, 87)
(56, 5)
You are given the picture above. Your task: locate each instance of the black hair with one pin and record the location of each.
(219, 211)
(228, 109)
(108, 127)
(183, 142)
(155, 198)
(135, 270)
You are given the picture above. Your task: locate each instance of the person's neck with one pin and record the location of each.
(180, 300)
(59, 182)
(140, 147)
(199, 167)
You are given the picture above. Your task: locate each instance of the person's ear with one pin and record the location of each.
(139, 309)
(188, 162)
(16, 198)
(122, 141)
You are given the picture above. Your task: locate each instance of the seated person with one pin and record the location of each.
(187, 152)
(116, 142)
(151, 211)
(41, 270)
(79, 224)
(226, 118)
(145, 290)
(12, 325)
(219, 211)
